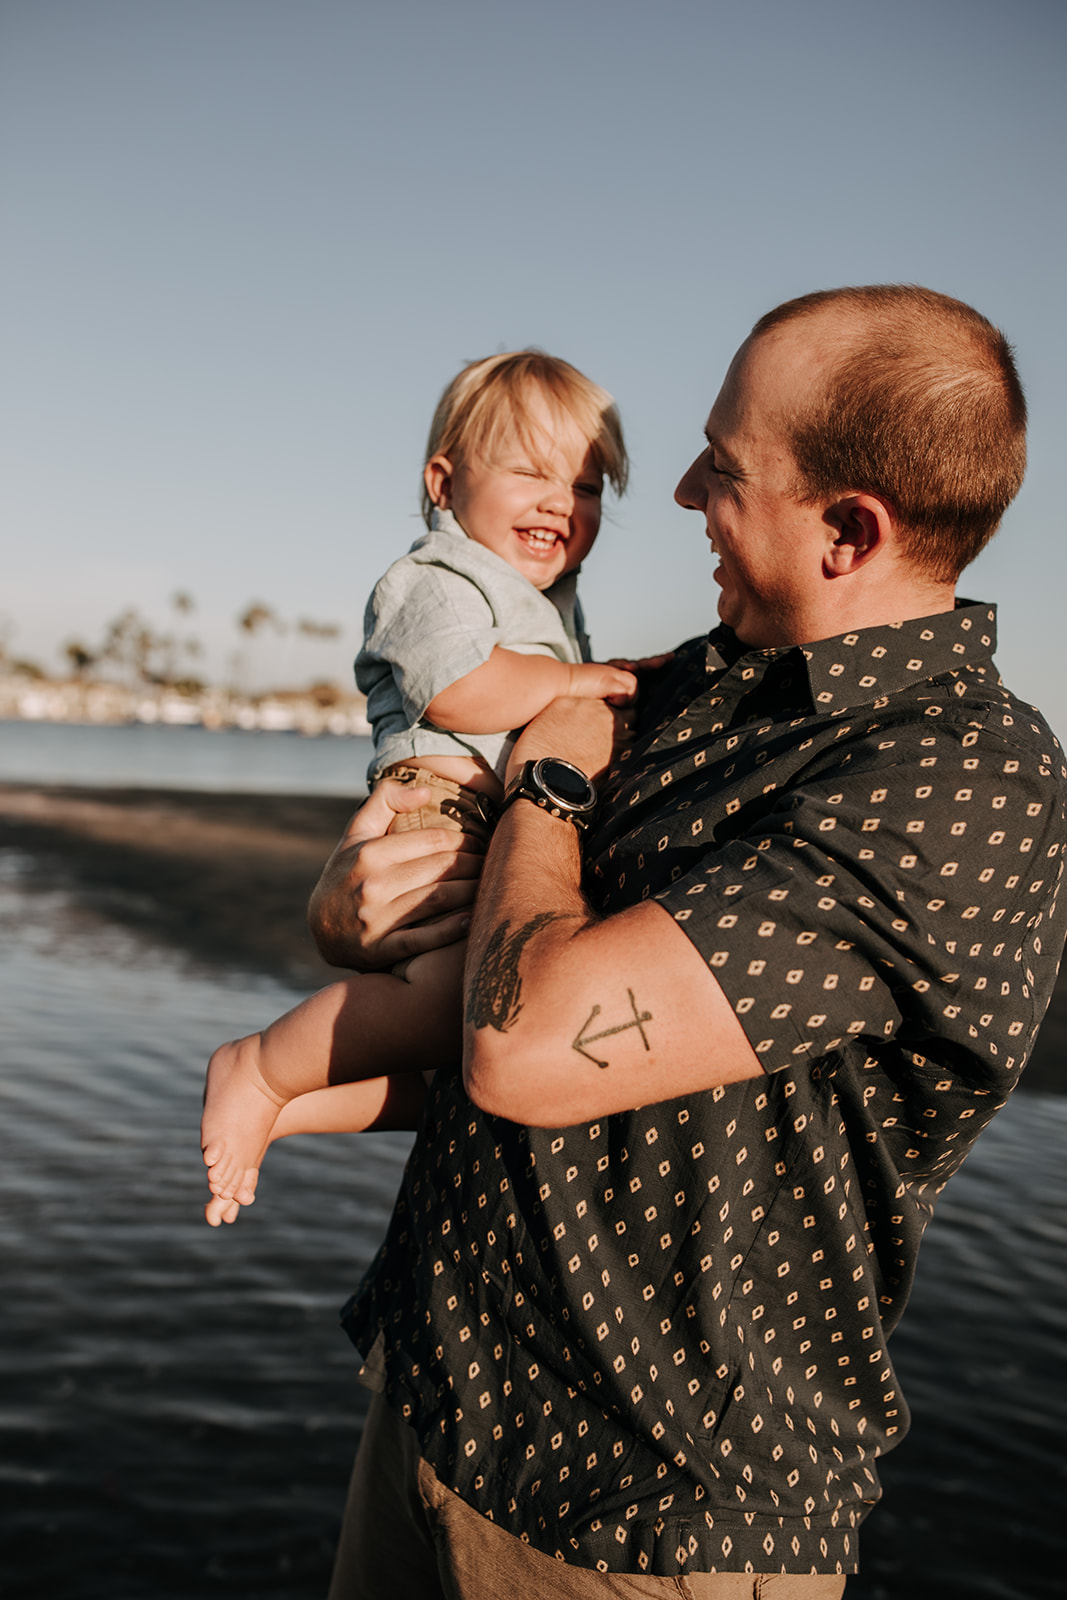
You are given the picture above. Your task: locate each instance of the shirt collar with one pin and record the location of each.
(444, 522)
(563, 593)
(854, 669)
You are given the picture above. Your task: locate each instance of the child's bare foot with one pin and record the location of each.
(240, 1110)
(226, 1208)
(219, 1210)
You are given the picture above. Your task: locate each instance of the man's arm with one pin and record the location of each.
(369, 907)
(511, 688)
(571, 1017)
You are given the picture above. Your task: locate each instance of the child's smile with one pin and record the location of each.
(540, 538)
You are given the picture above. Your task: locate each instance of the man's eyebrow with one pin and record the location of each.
(718, 449)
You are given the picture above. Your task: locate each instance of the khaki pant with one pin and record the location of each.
(406, 1537)
(453, 805)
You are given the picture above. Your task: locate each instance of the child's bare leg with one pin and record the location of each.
(249, 1080)
(372, 1025)
(370, 1104)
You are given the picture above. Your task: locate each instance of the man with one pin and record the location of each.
(724, 1048)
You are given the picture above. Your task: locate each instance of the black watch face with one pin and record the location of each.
(565, 782)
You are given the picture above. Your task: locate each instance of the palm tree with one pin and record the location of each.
(253, 619)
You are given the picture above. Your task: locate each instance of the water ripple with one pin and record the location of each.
(178, 1406)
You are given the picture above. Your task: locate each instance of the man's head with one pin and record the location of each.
(921, 404)
(861, 451)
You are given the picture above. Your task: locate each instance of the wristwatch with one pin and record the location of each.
(558, 787)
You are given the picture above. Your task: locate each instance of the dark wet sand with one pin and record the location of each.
(225, 879)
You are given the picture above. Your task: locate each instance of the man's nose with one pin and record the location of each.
(686, 493)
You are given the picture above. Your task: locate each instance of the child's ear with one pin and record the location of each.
(437, 475)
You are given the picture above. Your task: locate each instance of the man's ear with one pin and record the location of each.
(437, 476)
(862, 526)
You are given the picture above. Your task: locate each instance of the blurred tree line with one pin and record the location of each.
(136, 652)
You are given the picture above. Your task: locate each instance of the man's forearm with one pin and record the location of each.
(529, 906)
(571, 1016)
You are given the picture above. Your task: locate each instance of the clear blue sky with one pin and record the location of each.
(246, 242)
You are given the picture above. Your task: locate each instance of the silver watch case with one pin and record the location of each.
(535, 782)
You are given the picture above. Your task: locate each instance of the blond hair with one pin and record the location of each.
(491, 397)
(923, 406)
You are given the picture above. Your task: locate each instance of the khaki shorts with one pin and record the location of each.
(453, 806)
(406, 1537)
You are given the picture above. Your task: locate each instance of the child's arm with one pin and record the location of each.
(510, 688)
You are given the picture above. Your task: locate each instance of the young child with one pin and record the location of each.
(476, 629)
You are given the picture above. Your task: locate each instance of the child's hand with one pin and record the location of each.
(643, 663)
(602, 680)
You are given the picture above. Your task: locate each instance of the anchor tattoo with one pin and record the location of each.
(583, 1038)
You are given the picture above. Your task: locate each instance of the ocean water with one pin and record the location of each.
(178, 1406)
(152, 756)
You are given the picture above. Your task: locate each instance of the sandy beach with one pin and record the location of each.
(224, 879)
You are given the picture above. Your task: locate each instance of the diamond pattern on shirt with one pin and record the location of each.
(657, 1343)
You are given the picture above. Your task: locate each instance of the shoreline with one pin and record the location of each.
(224, 879)
(221, 879)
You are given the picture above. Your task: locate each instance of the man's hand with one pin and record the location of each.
(369, 908)
(585, 732)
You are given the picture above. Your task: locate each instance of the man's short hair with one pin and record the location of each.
(924, 407)
(492, 396)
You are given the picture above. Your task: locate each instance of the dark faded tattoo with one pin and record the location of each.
(493, 997)
(584, 1037)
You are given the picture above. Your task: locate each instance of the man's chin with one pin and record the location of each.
(729, 614)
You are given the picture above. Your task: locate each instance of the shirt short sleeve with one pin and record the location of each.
(432, 626)
(874, 902)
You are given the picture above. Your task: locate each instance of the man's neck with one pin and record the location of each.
(863, 612)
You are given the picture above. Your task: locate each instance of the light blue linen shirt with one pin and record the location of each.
(438, 613)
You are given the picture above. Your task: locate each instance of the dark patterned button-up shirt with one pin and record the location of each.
(657, 1343)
